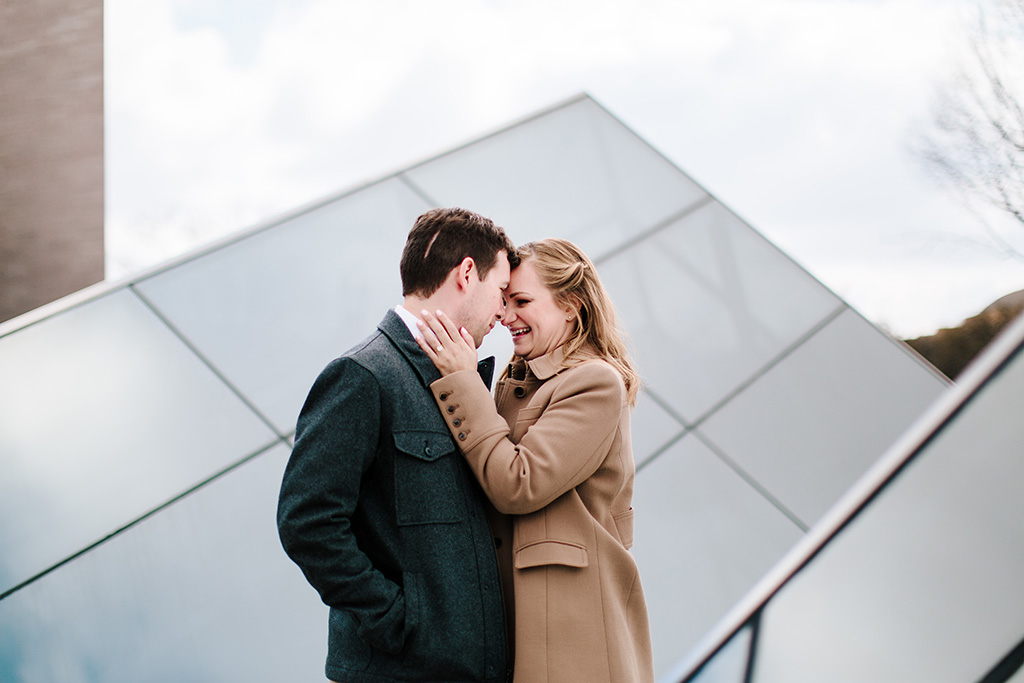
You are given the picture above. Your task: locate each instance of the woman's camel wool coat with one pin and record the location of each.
(556, 455)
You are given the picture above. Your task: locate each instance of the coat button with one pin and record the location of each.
(444, 396)
(462, 436)
(519, 392)
(456, 422)
(451, 409)
(426, 451)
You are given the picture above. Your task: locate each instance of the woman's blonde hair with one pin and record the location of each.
(572, 279)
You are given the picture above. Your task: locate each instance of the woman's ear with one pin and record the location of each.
(572, 307)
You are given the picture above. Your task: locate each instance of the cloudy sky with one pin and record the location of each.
(799, 115)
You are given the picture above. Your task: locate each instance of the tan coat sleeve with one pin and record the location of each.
(565, 445)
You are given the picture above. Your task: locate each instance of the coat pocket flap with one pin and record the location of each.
(425, 445)
(624, 525)
(551, 552)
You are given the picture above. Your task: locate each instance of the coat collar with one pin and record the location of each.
(395, 329)
(544, 367)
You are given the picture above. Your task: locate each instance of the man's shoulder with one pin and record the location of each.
(376, 355)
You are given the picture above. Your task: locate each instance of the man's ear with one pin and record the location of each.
(463, 271)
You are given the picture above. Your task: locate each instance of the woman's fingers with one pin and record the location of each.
(441, 332)
(428, 346)
(449, 326)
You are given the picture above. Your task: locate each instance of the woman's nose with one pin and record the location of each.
(509, 317)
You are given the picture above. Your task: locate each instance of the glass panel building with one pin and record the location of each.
(144, 425)
(914, 575)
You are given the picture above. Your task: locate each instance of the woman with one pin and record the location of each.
(555, 453)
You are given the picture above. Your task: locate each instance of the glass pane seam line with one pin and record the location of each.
(661, 449)
(654, 149)
(667, 222)
(109, 286)
(904, 450)
(772, 363)
(908, 350)
(117, 532)
(754, 483)
(666, 406)
(206, 361)
(321, 202)
(419, 191)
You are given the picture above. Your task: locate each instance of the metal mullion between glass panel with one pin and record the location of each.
(885, 473)
(753, 483)
(718, 291)
(109, 417)
(417, 190)
(771, 364)
(733, 394)
(708, 669)
(1007, 667)
(649, 458)
(710, 197)
(932, 432)
(206, 361)
(137, 520)
(661, 225)
(755, 637)
(206, 577)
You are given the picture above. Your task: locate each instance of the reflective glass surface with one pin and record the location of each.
(703, 537)
(272, 310)
(652, 427)
(925, 584)
(708, 302)
(104, 415)
(200, 591)
(792, 428)
(574, 173)
(729, 664)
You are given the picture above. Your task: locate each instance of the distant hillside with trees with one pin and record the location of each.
(952, 349)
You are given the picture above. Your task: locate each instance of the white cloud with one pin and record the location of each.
(793, 112)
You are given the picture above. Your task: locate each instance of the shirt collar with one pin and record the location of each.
(485, 367)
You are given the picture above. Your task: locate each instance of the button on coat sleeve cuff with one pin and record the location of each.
(467, 408)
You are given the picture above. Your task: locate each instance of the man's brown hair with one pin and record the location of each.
(439, 241)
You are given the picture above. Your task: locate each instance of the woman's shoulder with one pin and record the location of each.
(594, 372)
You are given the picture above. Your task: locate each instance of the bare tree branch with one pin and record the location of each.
(976, 144)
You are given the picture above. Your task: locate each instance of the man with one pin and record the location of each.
(378, 507)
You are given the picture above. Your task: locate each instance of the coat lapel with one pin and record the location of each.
(396, 331)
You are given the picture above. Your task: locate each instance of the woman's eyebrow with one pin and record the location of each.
(515, 294)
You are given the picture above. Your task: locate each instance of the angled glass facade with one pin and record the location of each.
(916, 577)
(144, 427)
